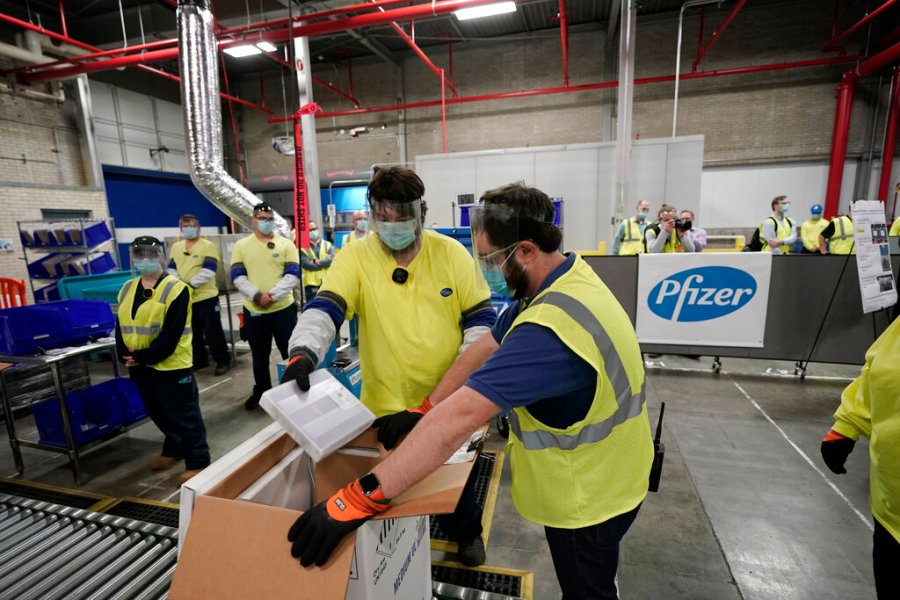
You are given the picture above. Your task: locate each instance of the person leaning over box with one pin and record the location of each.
(265, 268)
(195, 260)
(153, 339)
(580, 444)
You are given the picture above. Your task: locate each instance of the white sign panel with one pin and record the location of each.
(873, 256)
(704, 299)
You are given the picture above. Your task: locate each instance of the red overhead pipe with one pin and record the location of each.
(890, 137)
(234, 132)
(842, 122)
(717, 33)
(93, 55)
(275, 23)
(586, 87)
(311, 30)
(415, 48)
(835, 39)
(834, 17)
(146, 68)
(564, 39)
(62, 19)
(316, 80)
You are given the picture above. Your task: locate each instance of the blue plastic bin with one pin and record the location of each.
(36, 269)
(24, 329)
(94, 234)
(130, 400)
(93, 412)
(85, 319)
(99, 264)
(103, 286)
(48, 293)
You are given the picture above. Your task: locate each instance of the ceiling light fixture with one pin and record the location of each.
(242, 51)
(485, 10)
(267, 46)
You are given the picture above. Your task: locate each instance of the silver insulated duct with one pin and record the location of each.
(198, 63)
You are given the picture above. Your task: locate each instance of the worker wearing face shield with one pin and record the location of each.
(420, 302)
(153, 338)
(580, 444)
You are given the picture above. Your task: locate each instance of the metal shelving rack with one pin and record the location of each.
(83, 249)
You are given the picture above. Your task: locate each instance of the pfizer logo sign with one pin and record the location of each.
(701, 294)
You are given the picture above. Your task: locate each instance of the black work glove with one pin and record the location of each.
(835, 450)
(299, 368)
(393, 427)
(317, 532)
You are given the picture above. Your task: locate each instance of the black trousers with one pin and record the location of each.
(260, 331)
(309, 292)
(173, 404)
(586, 559)
(206, 323)
(886, 563)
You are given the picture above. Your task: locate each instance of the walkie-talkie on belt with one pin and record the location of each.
(659, 453)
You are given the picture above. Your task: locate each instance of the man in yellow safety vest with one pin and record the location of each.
(629, 238)
(580, 445)
(839, 236)
(315, 261)
(811, 229)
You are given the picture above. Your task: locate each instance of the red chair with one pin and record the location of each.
(12, 292)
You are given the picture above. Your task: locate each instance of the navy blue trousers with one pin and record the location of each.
(261, 329)
(173, 404)
(586, 559)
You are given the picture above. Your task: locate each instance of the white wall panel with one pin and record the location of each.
(494, 170)
(444, 181)
(135, 109)
(554, 172)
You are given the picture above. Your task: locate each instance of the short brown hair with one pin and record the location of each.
(534, 215)
(395, 184)
(665, 208)
(776, 200)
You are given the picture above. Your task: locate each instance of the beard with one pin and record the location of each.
(518, 281)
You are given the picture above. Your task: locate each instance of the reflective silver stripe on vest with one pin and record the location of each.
(124, 293)
(152, 330)
(630, 405)
(844, 235)
(166, 292)
(628, 233)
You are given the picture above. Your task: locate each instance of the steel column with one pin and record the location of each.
(890, 137)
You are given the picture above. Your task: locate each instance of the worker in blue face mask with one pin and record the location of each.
(153, 338)
(421, 301)
(315, 261)
(265, 268)
(360, 227)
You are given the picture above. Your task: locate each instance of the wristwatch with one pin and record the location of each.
(369, 484)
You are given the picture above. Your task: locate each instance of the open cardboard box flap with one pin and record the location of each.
(237, 549)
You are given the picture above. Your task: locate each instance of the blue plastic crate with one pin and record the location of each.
(37, 270)
(48, 293)
(93, 412)
(102, 286)
(85, 319)
(99, 264)
(25, 329)
(125, 392)
(94, 234)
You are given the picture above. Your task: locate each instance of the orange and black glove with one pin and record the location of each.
(299, 367)
(835, 450)
(318, 531)
(393, 427)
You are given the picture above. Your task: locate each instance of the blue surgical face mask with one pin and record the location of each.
(644, 215)
(497, 281)
(785, 208)
(362, 224)
(147, 266)
(189, 233)
(397, 235)
(265, 227)
(314, 235)
(816, 216)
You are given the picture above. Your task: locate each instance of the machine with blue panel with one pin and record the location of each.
(341, 362)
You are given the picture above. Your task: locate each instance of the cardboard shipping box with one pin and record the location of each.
(232, 547)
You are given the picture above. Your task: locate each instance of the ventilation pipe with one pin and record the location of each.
(198, 64)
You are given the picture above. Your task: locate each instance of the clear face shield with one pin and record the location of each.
(495, 242)
(397, 224)
(147, 260)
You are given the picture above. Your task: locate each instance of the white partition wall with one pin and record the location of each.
(662, 170)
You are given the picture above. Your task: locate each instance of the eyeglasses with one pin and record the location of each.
(491, 258)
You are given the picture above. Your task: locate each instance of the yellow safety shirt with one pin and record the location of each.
(315, 278)
(782, 231)
(810, 231)
(138, 332)
(599, 467)
(842, 241)
(266, 266)
(353, 236)
(870, 407)
(895, 228)
(632, 238)
(189, 262)
(409, 333)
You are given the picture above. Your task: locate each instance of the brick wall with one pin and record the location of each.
(40, 168)
(747, 118)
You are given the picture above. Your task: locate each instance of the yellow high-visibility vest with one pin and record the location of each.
(138, 332)
(632, 238)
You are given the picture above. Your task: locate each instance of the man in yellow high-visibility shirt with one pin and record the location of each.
(811, 229)
(420, 302)
(265, 268)
(360, 228)
(195, 261)
(839, 236)
(870, 407)
(315, 261)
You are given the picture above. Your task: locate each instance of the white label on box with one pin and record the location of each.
(338, 393)
(391, 561)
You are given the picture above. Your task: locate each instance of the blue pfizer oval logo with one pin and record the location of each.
(446, 292)
(701, 294)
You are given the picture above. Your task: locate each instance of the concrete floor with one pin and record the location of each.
(746, 507)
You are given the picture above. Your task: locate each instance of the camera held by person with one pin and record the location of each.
(683, 224)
